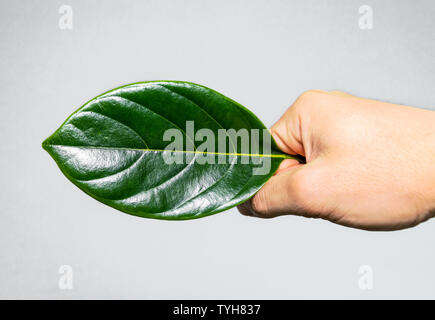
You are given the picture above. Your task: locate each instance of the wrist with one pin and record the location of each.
(428, 162)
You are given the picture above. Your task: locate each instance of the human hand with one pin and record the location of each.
(370, 164)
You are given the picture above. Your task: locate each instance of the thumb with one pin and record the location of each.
(280, 195)
(283, 193)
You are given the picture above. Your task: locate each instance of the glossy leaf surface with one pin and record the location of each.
(112, 148)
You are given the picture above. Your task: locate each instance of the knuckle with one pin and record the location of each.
(311, 95)
(310, 98)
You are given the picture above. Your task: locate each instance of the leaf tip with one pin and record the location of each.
(45, 144)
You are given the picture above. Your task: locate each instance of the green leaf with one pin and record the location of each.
(113, 149)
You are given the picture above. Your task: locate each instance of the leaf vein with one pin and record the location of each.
(148, 109)
(113, 174)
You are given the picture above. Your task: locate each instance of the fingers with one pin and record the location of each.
(286, 192)
(291, 130)
(272, 198)
(287, 132)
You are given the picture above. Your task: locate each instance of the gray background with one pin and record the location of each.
(263, 54)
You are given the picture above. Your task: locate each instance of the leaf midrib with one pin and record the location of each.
(260, 155)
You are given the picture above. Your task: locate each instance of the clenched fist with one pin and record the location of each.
(370, 164)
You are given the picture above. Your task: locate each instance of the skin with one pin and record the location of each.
(370, 164)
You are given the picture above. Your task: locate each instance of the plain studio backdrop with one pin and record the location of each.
(262, 54)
